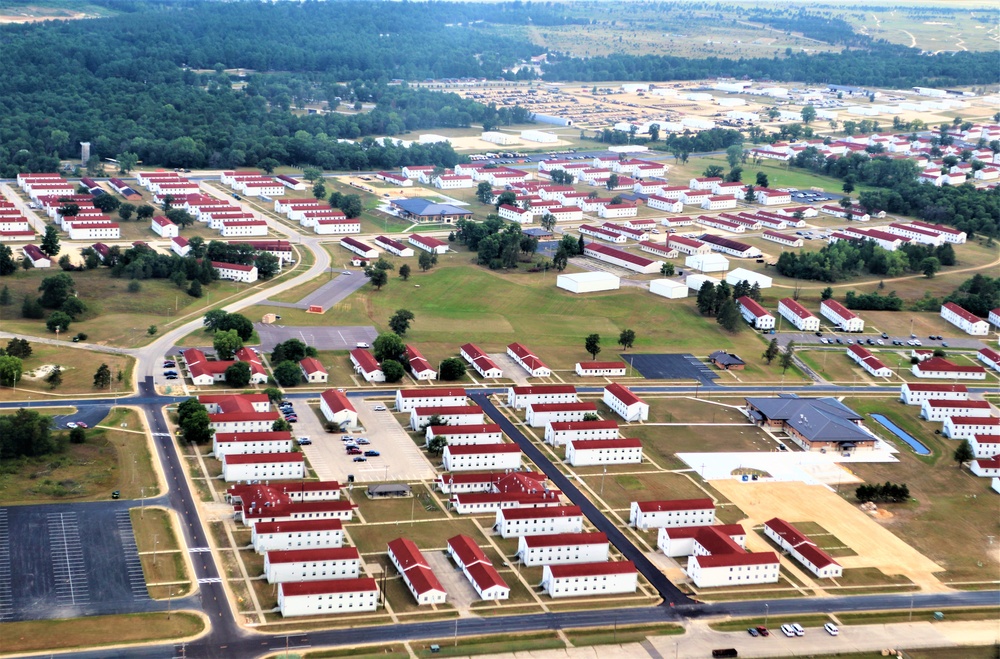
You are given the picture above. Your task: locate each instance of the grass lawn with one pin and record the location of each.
(661, 443)
(621, 634)
(114, 316)
(866, 576)
(377, 652)
(457, 302)
(620, 491)
(741, 624)
(888, 617)
(110, 459)
(778, 174)
(397, 510)
(77, 369)
(428, 534)
(489, 645)
(98, 631)
(154, 530)
(951, 513)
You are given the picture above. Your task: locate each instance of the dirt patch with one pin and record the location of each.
(40, 372)
(876, 546)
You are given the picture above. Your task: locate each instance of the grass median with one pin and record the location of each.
(98, 631)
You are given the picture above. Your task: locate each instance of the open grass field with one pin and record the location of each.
(114, 316)
(99, 631)
(111, 459)
(77, 368)
(952, 512)
(619, 491)
(427, 534)
(457, 302)
(662, 443)
(779, 175)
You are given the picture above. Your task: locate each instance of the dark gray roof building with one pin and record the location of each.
(813, 423)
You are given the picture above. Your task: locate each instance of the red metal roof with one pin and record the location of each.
(298, 526)
(942, 365)
(971, 317)
(975, 421)
(541, 513)
(427, 240)
(478, 429)
(337, 401)
(447, 410)
(262, 458)
(675, 504)
(566, 426)
(486, 576)
(795, 308)
(565, 539)
(727, 560)
(678, 532)
(485, 449)
(467, 551)
(591, 569)
(622, 255)
(923, 386)
(406, 553)
(752, 306)
(322, 554)
(839, 309)
(312, 365)
(365, 360)
(597, 444)
(959, 404)
(541, 389)
(433, 392)
(328, 586)
(622, 393)
(563, 407)
(270, 436)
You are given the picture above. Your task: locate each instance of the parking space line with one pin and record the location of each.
(133, 565)
(68, 565)
(6, 588)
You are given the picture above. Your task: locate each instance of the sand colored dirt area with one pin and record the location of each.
(798, 502)
(473, 143)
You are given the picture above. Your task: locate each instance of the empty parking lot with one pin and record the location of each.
(680, 366)
(321, 338)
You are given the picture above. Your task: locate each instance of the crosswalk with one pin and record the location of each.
(210, 580)
(133, 566)
(199, 550)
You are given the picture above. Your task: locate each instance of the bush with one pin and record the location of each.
(452, 368)
(77, 435)
(134, 286)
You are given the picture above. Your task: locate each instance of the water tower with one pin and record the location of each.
(84, 152)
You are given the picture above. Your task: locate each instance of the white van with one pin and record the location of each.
(787, 630)
(361, 344)
(797, 628)
(831, 629)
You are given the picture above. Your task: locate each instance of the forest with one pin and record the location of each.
(153, 81)
(880, 65)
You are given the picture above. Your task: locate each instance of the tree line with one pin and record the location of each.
(849, 258)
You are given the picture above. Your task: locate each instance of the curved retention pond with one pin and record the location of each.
(918, 448)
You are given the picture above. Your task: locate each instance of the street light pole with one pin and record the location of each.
(767, 611)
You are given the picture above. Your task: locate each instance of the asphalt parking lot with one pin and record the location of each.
(400, 459)
(89, 414)
(329, 293)
(321, 338)
(810, 338)
(681, 366)
(69, 560)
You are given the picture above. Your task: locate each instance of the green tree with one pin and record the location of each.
(436, 445)
(377, 277)
(319, 190)
(50, 241)
(654, 132)
(963, 453)
(194, 290)
(827, 293)
(772, 351)
(107, 203)
(404, 271)
(59, 320)
(274, 394)
(213, 319)
(612, 182)
(226, 343)
(312, 174)
(145, 212)
(238, 322)
(197, 428)
(293, 350)
(400, 321)
(10, 370)
(452, 368)
(592, 344)
(238, 375)
(930, 266)
(847, 187)
(134, 286)
(548, 221)
(714, 171)
(706, 298)
(152, 330)
(126, 162)
(762, 179)
(19, 348)
(751, 196)
(626, 339)
(667, 269)
(73, 307)
(5, 296)
(55, 377)
(268, 265)
(8, 265)
(268, 165)
(484, 192)
(281, 425)
(787, 357)
(32, 309)
(734, 153)
(77, 435)
(180, 217)
(102, 378)
(388, 346)
(288, 374)
(426, 261)
(125, 211)
(729, 316)
(392, 370)
(808, 114)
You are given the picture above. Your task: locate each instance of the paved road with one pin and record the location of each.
(668, 591)
(328, 294)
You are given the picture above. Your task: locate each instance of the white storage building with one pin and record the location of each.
(742, 274)
(668, 288)
(707, 262)
(588, 282)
